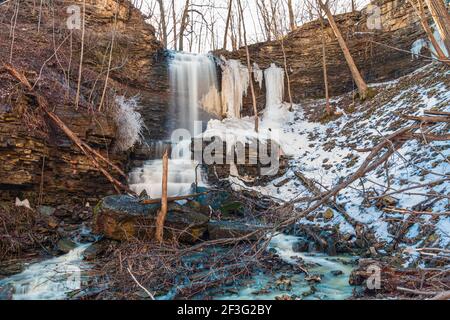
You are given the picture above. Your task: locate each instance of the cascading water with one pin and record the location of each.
(194, 85)
(50, 279)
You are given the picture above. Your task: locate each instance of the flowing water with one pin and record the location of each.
(333, 271)
(194, 84)
(51, 279)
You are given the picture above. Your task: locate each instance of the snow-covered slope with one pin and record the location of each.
(327, 153)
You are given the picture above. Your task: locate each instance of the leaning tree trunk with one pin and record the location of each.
(360, 83)
(442, 19)
(420, 11)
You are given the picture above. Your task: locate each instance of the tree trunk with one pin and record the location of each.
(161, 218)
(361, 84)
(163, 23)
(227, 26)
(184, 21)
(174, 21)
(325, 71)
(292, 21)
(249, 66)
(442, 19)
(420, 11)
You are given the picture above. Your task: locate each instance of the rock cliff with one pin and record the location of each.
(381, 54)
(37, 160)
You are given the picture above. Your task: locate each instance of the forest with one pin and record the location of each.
(252, 150)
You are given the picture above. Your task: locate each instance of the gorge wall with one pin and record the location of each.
(372, 50)
(37, 160)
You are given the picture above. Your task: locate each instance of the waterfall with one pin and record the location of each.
(193, 79)
(194, 84)
(235, 82)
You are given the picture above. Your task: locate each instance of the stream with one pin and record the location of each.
(51, 279)
(57, 278)
(195, 84)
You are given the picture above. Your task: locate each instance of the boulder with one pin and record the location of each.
(123, 218)
(66, 245)
(219, 230)
(301, 245)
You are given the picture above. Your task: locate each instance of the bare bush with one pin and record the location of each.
(130, 124)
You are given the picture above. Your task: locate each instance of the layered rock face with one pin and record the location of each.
(37, 160)
(371, 47)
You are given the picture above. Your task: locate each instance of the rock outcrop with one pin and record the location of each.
(381, 54)
(37, 160)
(123, 218)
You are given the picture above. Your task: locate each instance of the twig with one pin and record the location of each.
(140, 285)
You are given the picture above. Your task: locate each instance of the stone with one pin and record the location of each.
(123, 218)
(300, 246)
(46, 210)
(94, 250)
(6, 292)
(219, 230)
(337, 273)
(387, 201)
(328, 214)
(66, 245)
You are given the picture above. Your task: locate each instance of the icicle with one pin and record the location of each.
(258, 74)
(235, 82)
(274, 87)
(417, 47)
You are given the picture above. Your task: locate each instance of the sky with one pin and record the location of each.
(211, 15)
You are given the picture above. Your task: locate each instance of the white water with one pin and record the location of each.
(235, 82)
(183, 173)
(49, 280)
(193, 79)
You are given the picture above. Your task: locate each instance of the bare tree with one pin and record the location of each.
(227, 25)
(163, 23)
(174, 21)
(324, 64)
(249, 67)
(360, 83)
(183, 25)
(80, 70)
(292, 21)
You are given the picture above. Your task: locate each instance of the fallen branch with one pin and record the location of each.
(140, 285)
